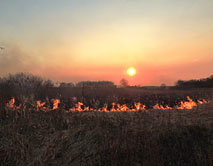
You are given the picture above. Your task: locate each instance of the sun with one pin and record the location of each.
(131, 71)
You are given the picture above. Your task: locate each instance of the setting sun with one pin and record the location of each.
(131, 71)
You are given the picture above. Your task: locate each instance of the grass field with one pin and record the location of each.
(154, 137)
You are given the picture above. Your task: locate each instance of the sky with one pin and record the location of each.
(80, 40)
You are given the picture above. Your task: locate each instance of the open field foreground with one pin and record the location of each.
(154, 137)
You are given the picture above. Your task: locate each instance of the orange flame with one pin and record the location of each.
(55, 103)
(190, 104)
(202, 101)
(187, 104)
(105, 108)
(40, 105)
(11, 103)
(122, 108)
(139, 106)
(79, 106)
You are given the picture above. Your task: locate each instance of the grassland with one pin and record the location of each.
(143, 138)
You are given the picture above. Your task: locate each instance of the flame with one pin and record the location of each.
(78, 107)
(11, 103)
(161, 107)
(105, 108)
(189, 104)
(139, 106)
(203, 101)
(40, 105)
(113, 107)
(122, 108)
(55, 103)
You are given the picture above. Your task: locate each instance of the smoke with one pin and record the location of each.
(14, 59)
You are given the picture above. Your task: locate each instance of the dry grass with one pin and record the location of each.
(156, 137)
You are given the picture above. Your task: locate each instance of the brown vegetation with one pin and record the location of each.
(155, 137)
(31, 136)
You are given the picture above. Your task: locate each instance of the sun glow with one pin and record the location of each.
(131, 71)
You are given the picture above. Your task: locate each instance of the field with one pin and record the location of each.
(32, 135)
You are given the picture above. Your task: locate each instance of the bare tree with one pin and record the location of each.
(124, 83)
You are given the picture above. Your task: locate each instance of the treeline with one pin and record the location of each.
(94, 94)
(22, 84)
(29, 81)
(30, 85)
(201, 83)
(88, 84)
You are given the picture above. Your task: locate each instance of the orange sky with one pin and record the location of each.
(164, 40)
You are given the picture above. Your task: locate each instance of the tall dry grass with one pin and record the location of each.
(146, 138)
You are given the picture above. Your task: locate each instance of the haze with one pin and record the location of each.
(75, 40)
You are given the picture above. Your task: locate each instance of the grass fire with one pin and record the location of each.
(106, 83)
(45, 124)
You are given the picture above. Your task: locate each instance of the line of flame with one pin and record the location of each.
(190, 104)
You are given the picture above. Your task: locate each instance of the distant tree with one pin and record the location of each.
(63, 84)
(211, 77)
(48, 83)
(179, 83)
(124, 83)
(24, 84)
(22, 80)
(201, 83)
(95, 84)
(163, 86)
